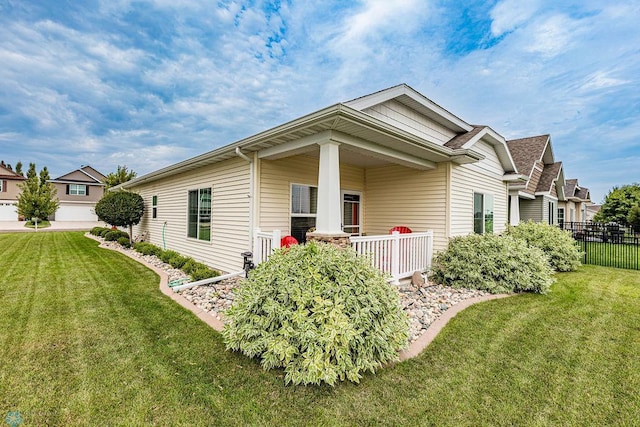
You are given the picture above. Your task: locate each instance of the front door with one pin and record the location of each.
(351, 213)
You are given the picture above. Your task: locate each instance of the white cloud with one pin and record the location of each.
(507, 15)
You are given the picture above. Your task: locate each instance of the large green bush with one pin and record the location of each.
(114, 235)
(321, 313)
(493, 263)
(562, 250)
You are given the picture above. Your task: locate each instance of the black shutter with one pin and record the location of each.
(67, 188)
(87, 191)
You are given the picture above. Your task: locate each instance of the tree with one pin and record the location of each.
(19, 168)
(617, 204)
(121, 208)
(118, 177)
(633, 219)
(38, 197)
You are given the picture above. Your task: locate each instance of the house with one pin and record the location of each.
(78, 193)
(574, 207)
(349, 172)
(538, 196)
(9, 192)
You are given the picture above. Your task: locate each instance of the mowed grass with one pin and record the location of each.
(86, 338)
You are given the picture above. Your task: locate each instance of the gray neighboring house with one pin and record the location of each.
(9, 191)
(577, 199)
(538, 197)
(78, 193)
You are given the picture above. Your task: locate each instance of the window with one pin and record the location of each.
(482, 213)
(2, 186)
(199, 214)
(552, 210)
(304, 206)
(77, 190)
(561, 216)
(154, 207)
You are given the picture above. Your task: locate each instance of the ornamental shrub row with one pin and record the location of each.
(523, 259)
(197, 270)
(562, 250)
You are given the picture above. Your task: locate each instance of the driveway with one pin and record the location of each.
(18, 226)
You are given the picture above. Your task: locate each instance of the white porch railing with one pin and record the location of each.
(264, 243)
(399, 255)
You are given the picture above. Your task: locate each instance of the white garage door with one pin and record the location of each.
(75, 213)
(8, 212)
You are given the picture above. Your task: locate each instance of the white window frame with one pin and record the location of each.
(154, 206)
(198, 237)
(483, 209)
(74, 189)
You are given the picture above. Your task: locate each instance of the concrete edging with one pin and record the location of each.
(412, 351)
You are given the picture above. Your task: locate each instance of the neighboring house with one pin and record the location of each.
(592, 210)
(538, 196)
(577, 198)
(9, 192)
(78, 192)
(359, 168)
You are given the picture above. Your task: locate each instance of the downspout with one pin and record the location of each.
(251, 193)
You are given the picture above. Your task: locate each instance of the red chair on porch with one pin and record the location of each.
(287, 241)
(400, 229)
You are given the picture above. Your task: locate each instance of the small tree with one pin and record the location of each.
(617, 204)
(19, 168)
(634, 218)
(38, 197)
(118, 177)
(121, 208)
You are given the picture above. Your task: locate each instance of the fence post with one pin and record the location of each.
(395, 257)
(275, 242)
(257, 246)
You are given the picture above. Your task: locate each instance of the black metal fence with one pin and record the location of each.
(609, 245)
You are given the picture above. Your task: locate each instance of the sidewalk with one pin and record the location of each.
(18, 226)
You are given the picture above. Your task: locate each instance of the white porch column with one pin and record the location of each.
(328, 217)
(514, 207)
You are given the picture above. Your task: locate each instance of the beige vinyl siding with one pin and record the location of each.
(403, 117)
(531, 209)
(469, 179)
(276, 177)
(490, 165)
(397, 195)
(229, 181)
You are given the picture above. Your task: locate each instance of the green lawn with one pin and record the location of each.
(87, 338)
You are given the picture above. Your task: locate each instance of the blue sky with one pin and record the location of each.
(149, 83)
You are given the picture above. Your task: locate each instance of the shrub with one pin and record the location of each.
(321, 313)
(190, 265)
(203, 272)
(561, 249)
(114, 235)
(124, 241)
(165, 256)
(493, 263)
(147, 248)
(105, 231)
(177, 261)
(96, 231)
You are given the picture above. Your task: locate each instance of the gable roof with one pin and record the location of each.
(575, 192)
(356, 130)
(550, 176)
(6, 173)
(84, 175)
(527, 151)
